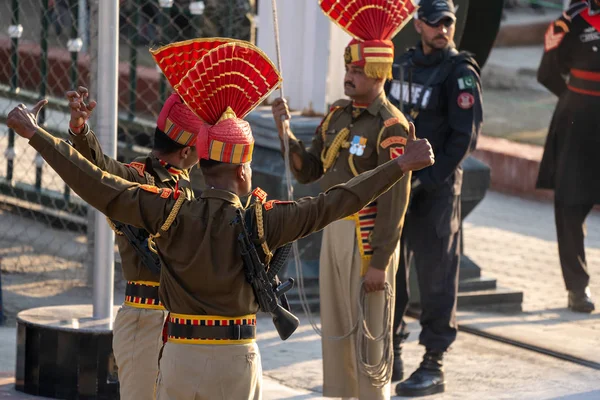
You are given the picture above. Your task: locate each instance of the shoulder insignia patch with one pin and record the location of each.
(466, 82)
(271, 203)
(551, 39)
(260, 194)
(396, 152)
(391, 121)
(465, 100)
(139, 167)
(393, 140)
(165, 193)
(150, 188)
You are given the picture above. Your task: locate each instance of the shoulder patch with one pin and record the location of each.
(396, 152)
(138, 166)
(465, 100)
(466, 82)
(260, 194)
(391, 121)
(393, 140)
(150, 188)
(271, 203)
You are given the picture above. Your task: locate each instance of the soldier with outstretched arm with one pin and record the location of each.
(138, 326)
(202, 280)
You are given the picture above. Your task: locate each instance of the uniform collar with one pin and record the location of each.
(224, 195)
(374, 107)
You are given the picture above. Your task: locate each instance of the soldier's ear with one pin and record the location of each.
(240, 173)
(184, 153)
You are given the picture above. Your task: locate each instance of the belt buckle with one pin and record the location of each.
(237, 332)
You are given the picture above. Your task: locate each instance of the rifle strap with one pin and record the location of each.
(168, 222)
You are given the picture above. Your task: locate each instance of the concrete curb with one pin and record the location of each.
(514, 166)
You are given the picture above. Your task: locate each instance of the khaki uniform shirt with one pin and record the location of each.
(376, 135)
(142, 170)
(202, 271)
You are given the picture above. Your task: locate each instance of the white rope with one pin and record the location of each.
(379, 373)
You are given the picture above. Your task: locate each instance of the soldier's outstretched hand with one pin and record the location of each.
(418, 153)
(80, 111)
(23, 120)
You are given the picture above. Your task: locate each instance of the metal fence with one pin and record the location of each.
(46, 48)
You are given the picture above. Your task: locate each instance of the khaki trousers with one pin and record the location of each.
(339, 283)
(137, 340)
(209, 372)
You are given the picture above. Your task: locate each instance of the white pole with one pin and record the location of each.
(566, 4)
(82, 21)
(108, 51)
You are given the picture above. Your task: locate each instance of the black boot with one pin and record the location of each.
(427, 379)
(581, 301)
(397, 365)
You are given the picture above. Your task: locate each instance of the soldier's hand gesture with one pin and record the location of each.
(418, 153)
(80, 111)
(24, 121)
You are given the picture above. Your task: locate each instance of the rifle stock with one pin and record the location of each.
(285, 322)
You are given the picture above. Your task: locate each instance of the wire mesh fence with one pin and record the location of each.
(48, 47)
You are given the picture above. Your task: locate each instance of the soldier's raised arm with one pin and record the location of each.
(143, 206)
(85, 141)
(285, 222)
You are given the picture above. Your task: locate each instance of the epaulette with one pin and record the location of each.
(138, 166)
(141, 165)
(260, 195)
(392, 116)
(341, 103)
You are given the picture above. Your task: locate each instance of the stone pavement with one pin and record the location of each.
(514, 241)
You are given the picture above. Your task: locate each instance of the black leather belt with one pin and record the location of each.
(142, 295)
(140, 290)
(197, 332)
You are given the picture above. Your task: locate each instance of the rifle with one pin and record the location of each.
(266, 289)
(138, 239)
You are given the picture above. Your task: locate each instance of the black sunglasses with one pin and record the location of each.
(447, 22)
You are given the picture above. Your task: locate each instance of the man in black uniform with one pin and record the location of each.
(569, 165)
(439, 88)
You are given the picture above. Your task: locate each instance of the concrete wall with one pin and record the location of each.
(312, 50)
